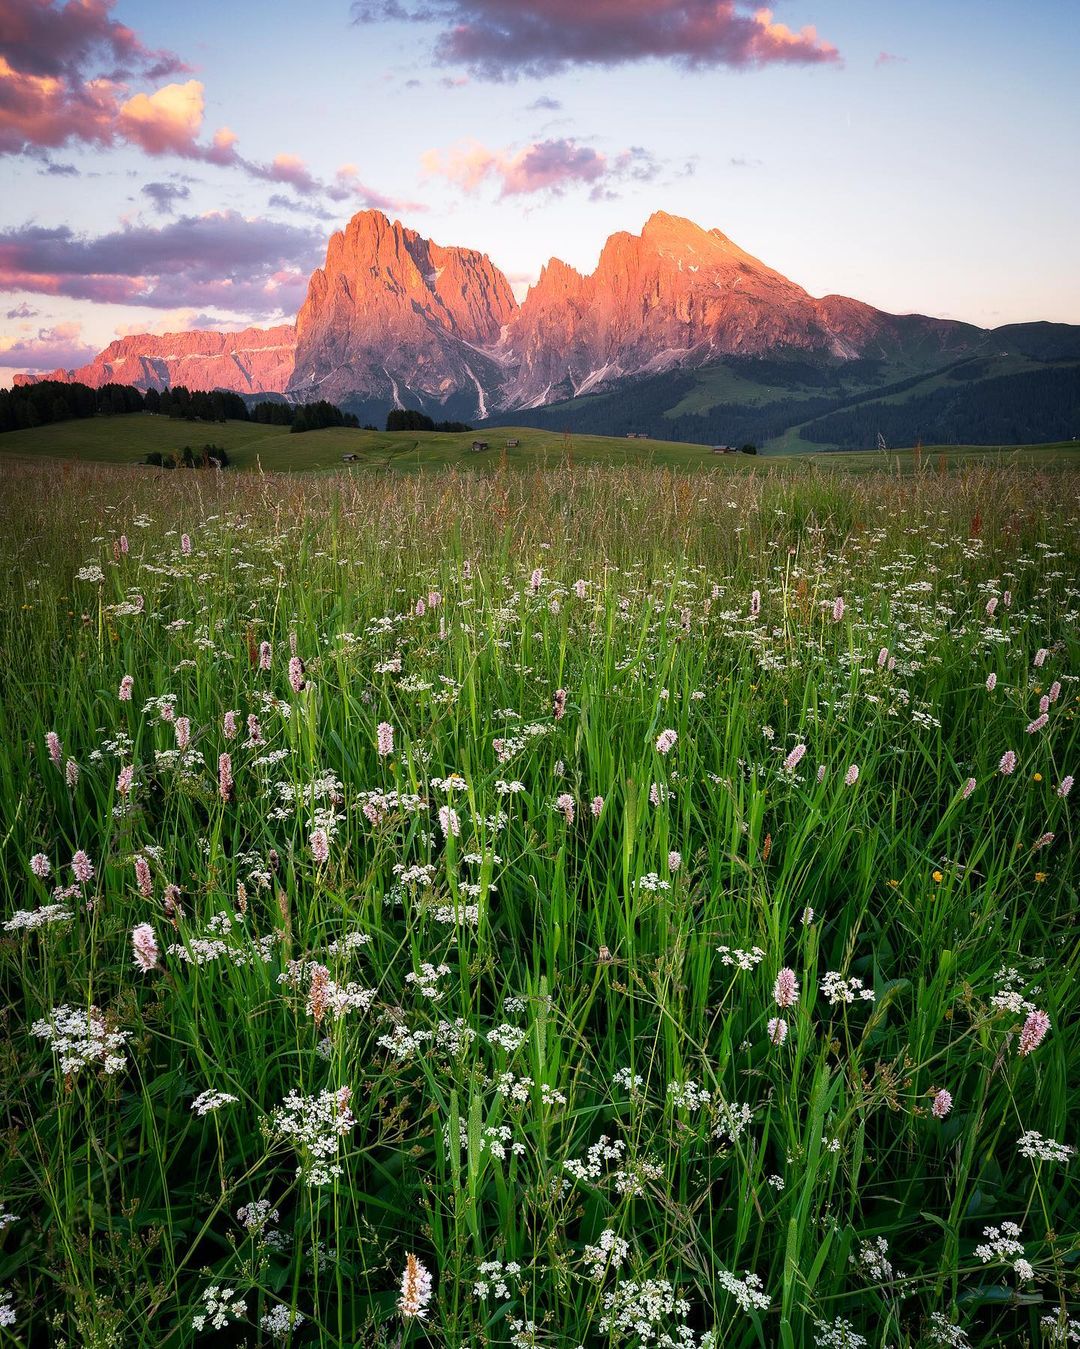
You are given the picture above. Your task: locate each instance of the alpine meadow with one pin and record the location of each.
(539, 675)
(599, 907)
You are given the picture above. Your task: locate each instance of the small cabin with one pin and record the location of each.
(479, 444)
(724, 449)
(636, 435)
(513, 444)
(349, 458)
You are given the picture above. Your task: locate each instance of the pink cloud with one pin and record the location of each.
(48, 349)
(888, 59)
(549, 166)
(222, 260)
(505, 39)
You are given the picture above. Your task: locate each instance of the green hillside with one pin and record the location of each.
(128, 439)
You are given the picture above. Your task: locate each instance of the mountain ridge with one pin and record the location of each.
(393, 319)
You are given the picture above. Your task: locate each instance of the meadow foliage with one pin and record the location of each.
(589, 908)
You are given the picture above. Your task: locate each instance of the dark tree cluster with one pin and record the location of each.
(210, 456)
(408, 419)
(32, 405)
(315, 416)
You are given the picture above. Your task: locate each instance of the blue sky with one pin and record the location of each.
(928, 163)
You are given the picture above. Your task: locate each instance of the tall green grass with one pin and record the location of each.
(596, 940)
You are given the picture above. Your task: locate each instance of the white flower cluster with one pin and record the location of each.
(494, 1279)
(609, 1253)
(427, 980)
(644, 1309)
(1039, 1149)
(507, 1037)
(81, 1038)
(731, 1120)
(872, 1260)
(314, 1125)
(838, 989)
(220, 1308)
(944, 1334)
(747, 1291)
(497, 1140)
(592, 1167)
(256, 1215)
(29, 920)
(1060, 1330)
(688, 1095)
(208, 1101)
(1005, 1245)
(743, 960)
(279, 1322)
(838, 1334)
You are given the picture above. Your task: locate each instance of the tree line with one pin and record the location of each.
(30, 405)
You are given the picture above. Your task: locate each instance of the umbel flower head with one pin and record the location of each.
(415, 1289)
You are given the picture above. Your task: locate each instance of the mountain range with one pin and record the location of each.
(678, 332)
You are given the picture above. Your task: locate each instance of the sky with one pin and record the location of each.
(165, 167)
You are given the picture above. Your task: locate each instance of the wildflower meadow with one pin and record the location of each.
(582, 908)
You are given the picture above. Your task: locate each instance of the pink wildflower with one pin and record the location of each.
(320, 847)
(968, 788)
(851, 776)
(1066, 786)
(1040, 657)
(265, 652)
(415, 1290)
(53, 745)
(144, 947)
(71, 773)
(1007, 763)
(182, 731)
(794, 759)
(991, 682)
(942, 1104)
(449, 822)
(786, 988)
(229, 725)
(674, 861)
(225, 776)
(991, 605)
(1043, 841)
(838, 609)
(143, 879)
(1033, 1033)
(1055, 692)
(565, 803)
(125, 780)
(385, 739)
(296, 673)
(254, 730)
(1036, 725)
(559, 704)
(777, 1030)
(421, 608)
(755, 603)
(882, 657)
(185, 544)
(124, 544)
(536, 580)
(579, 589)
(82, 867)
(124, 691)
(665, 741)
(40, 865)
(821, 773)
(597, 804)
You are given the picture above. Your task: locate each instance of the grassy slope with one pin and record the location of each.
(125, 440)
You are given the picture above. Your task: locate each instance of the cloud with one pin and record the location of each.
(53, 87)
(745, 162)
(166, 195)
(506, 39)
(22, 311)
(888, 59)
(60, 347)
(221, 260)
(66, 72)
(347, 185)
(544, 104)
(548, 166)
